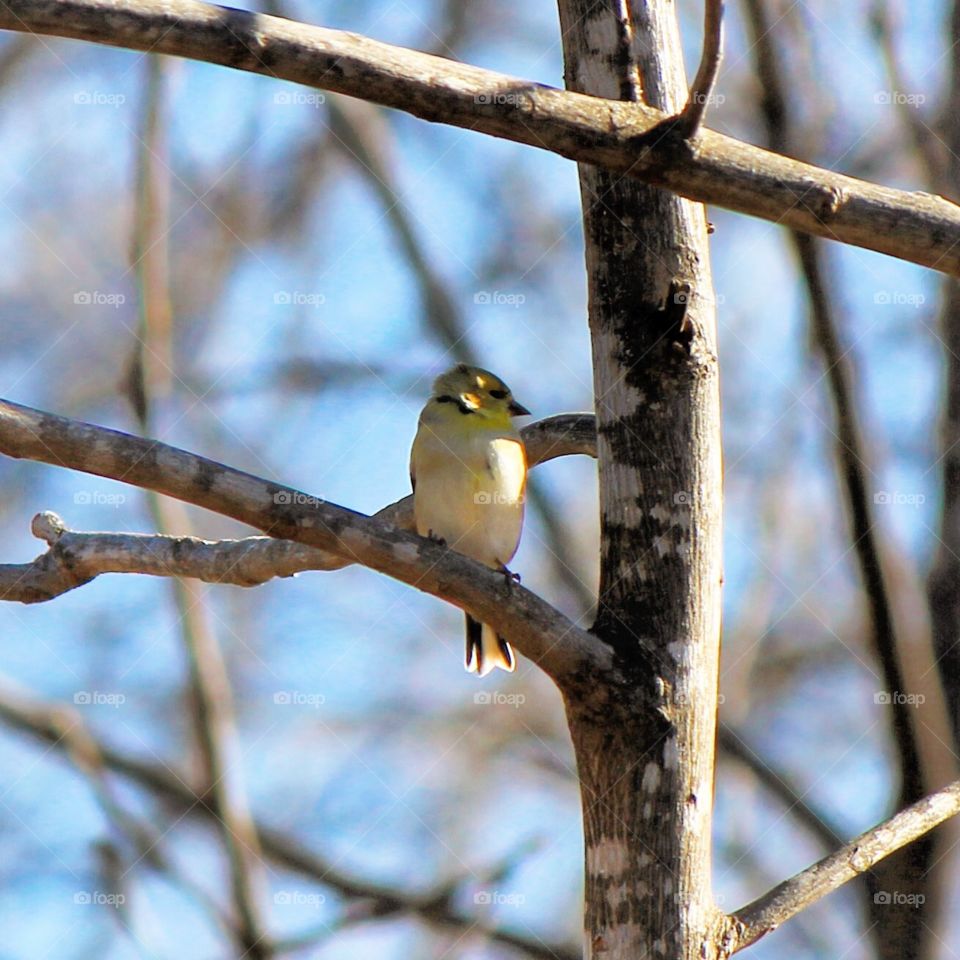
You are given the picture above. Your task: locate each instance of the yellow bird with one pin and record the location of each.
(468, 468)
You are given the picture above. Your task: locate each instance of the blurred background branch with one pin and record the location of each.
(63, 730)
(900, 931)
(209, 690)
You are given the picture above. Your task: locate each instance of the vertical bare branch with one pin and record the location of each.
(945, 572)
(940, 162)
(701, 90)
(926, 141)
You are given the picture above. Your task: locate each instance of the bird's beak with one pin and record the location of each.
(518, 409)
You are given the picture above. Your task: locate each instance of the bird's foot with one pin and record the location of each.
(436, 539)
(510, 577)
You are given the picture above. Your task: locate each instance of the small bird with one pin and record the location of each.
(468, 468)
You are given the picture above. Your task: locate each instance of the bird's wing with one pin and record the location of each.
(413, 472)
(507, 462)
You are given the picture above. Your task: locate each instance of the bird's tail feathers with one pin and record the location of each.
(486, 650)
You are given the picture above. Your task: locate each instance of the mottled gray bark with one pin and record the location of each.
(944, 576)
(644, 735)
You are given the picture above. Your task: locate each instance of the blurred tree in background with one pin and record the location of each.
(270, 276)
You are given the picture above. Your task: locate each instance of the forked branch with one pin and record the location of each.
(625, 137)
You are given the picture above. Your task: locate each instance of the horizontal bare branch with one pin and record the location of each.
(542, 633)
(626, 137)
(793, 895)
(75, 558)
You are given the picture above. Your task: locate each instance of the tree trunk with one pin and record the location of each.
(945, 572)
(644, 736)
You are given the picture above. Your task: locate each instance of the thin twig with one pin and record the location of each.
(775, 782)
(145, 838)
(701, 91)
(944, 571)
(853, 474)
(790, 897)
(625, 137)
(852, 456)
(927, 144)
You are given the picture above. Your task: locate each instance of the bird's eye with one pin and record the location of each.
(498, 394)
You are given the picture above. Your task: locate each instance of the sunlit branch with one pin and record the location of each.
(701, 90)
(541, 632)
(790, 897)
(624, 137)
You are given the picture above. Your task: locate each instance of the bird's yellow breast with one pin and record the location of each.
(469, 490)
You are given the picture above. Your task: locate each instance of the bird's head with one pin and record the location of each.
(470, 392)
